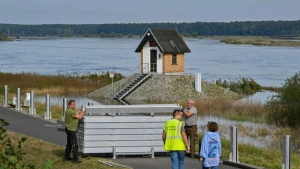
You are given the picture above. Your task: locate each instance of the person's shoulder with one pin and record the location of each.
(70, 111)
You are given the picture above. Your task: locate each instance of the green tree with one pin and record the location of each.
(3, 37)
(284, 108)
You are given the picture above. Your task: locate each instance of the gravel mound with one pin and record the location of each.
(169, 88)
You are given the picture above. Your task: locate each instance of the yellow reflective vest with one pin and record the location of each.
(174, 139)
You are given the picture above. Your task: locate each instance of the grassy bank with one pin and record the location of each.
(46, 151)
(262, 41)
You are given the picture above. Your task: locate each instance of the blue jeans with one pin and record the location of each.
(177, 159)
(213, 167)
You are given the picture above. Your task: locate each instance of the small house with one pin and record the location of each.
(162, 52)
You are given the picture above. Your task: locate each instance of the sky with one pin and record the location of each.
(145, 11)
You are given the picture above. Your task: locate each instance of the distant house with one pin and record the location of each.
(162, 52)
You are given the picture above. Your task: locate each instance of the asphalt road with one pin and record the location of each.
(37, 127)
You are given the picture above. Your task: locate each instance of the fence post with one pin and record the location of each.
(65, 106)
(198, 82)
(48, 112)
(114, 153)
(5, 102)
(18, 105)
(286, 152)
(233, 156)
(32, 106)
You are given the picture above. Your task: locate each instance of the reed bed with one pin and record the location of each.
(231, 109)
(259, 41)
(55, 84)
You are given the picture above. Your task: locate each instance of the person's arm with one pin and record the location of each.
(220, 147)
(190, 112)
(204, 147)
(164, 137)
(185, 141)
(79, 115)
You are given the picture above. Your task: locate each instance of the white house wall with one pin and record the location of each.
(146, 57)
(159, 62)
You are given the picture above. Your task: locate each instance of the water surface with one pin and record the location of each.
(269, 66)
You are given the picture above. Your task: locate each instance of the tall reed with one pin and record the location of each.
(56, 84)
(235, 110)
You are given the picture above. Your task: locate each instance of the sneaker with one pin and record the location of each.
(77, 161)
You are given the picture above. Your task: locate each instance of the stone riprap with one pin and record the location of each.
(168, 88)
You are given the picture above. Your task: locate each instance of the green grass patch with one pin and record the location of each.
(39, 152)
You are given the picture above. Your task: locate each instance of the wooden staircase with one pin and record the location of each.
(137, 81)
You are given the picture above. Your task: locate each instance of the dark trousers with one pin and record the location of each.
(191, 134)
(72, 144)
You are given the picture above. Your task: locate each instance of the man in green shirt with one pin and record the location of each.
(71, 122)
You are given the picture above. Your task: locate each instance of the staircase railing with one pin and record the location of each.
(118, 86)
(133, 75)
(125, 94)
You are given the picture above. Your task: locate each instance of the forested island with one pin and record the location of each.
(245, 28)
(271, 33)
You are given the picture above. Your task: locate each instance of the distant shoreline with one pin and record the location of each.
(262, 41)
(236, 40)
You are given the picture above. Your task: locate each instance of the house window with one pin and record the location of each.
(153, 44)
(174, 59)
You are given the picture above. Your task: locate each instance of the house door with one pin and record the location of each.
(153, 60)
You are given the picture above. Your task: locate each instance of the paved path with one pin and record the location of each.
(37, 127)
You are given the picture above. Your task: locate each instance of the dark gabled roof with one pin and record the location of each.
(168, 41)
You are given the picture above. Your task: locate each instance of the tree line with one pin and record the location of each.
(243, 28)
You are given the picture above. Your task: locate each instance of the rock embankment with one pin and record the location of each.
(168, 88)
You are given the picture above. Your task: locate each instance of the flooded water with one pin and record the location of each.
(259, 97)
(256, 134)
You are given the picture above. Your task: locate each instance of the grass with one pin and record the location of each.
(46, 151)
(256, 40)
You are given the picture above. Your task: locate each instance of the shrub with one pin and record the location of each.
(242, 85)
(284, 108)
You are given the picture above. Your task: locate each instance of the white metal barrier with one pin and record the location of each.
(48, 114)
(5, 101)
(18, 103)
(32, 109)
(124, 129)
(233, 155)
(286, 152)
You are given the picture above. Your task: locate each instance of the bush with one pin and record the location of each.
(242, 86)
(284, 108)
